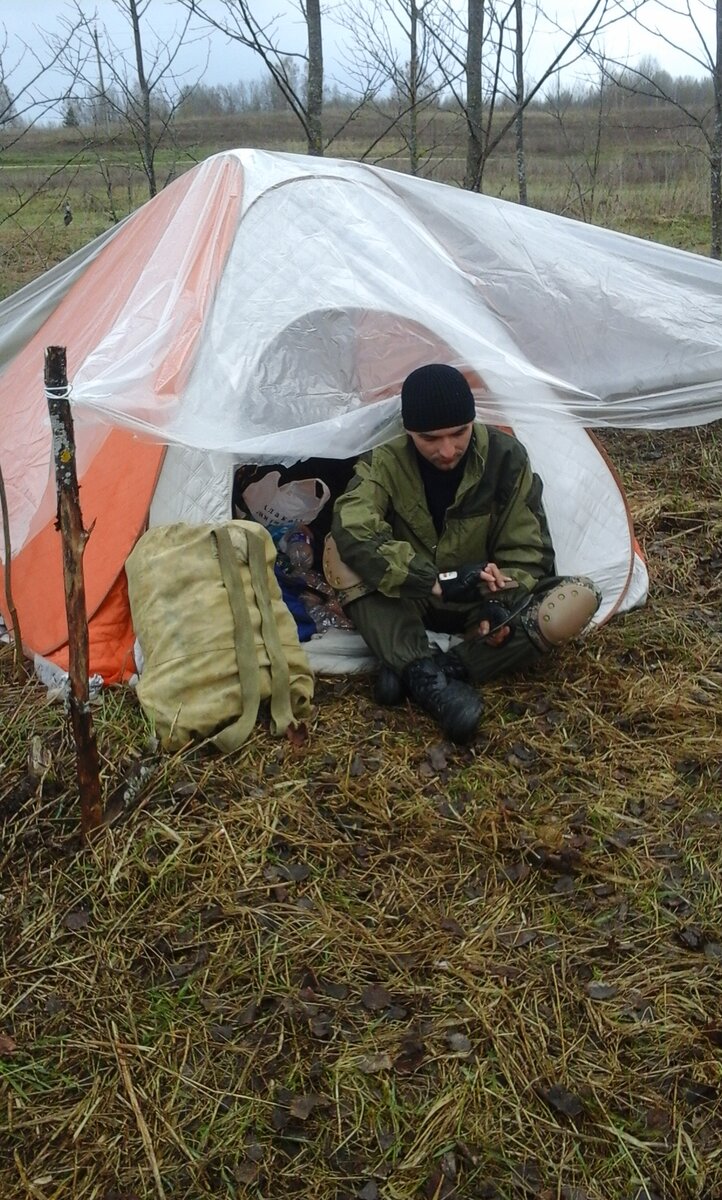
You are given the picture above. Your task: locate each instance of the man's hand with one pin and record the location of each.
(494, 616)
(495, 579)
(465, 584)
(462, 585)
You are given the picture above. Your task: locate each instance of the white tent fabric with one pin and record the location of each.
(322, 283)
(555, 315)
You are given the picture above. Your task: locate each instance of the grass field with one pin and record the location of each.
(373, 965)
(645, 176)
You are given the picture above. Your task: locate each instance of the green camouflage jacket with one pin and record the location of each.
(384, 531)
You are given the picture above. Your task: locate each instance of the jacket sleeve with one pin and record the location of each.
(365, 539)
(519, 540)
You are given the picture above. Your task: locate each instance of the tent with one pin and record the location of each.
(266, 307)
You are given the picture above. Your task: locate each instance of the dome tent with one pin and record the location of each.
(266, 307)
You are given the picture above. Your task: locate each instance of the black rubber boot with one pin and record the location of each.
(454, 705)
(388, 687)
(451, 664)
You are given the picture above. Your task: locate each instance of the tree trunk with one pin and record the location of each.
(314, 99)
(147, 143)
(519, 122)
(414, 88)
(716, 150)
(474, 112)
(74, 537)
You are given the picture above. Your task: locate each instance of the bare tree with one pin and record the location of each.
(239, 22)
(395, 60)
(474, 94)
(142, 93)
(705, 23)
(492, 60)
(519, 90)
(30, 88)
(582, 165)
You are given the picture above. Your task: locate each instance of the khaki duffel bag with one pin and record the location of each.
(216, 636)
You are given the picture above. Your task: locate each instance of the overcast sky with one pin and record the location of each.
(227, 62)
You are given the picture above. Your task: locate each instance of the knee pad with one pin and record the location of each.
(344, 581)
(562, 613)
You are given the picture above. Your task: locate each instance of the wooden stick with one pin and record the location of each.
(21, 670)
(74, 537)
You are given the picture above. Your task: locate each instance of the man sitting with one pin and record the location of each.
(444, 528)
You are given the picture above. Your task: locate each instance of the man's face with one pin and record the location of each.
(443, 448)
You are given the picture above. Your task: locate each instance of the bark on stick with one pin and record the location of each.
(74, 537)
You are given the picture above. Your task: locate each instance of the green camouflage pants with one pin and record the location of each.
(395, 630)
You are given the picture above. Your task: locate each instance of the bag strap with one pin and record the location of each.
(234, 735)
(249, 676)
(281, 705)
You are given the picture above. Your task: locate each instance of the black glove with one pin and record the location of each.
(496, 614)
(462, 585)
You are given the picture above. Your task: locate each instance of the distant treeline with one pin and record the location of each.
(616, 89)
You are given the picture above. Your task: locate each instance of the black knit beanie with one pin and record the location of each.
(436, 397)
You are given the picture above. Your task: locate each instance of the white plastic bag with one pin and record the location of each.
(300, 500)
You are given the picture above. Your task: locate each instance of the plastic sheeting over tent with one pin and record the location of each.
(267, 307)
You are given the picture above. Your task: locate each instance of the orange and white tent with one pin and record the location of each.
(267, 307)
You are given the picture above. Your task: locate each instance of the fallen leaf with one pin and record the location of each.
(516, 872)
(358, 767)
(697, 1093)
(321, 1028)
(297, 735)
(337, 991)
(369, 1191)
(77, 918)
(7, 1045)
(437, 756)
(690, 938)
(502, 970)
(636, 807)
(294, 872)
(596, 990)
(222, 1033)
(562, 1100)
(303, 1106)
(515, 938)
(411, 1055)
(521, 755)
(280, 1118)
(372, 1064)
(459, 1043)
(452, 926)
(246, 1173)
(375, 997)
(248, 1014)
(438, 1187)
(396, 1012)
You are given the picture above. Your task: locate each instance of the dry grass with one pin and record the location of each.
(377, 966)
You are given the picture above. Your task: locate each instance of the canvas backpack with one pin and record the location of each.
(216, 637)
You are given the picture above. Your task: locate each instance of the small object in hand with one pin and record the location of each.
(462, 585)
